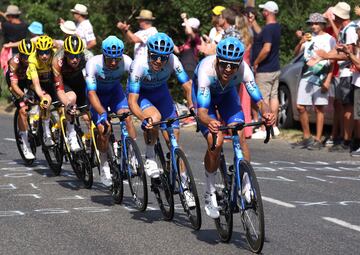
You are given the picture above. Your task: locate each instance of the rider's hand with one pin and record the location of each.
(269, 119)
(146, 124)
(213, 126)
(192, 110)
(44, 103)
(71, 109)
(103, 123)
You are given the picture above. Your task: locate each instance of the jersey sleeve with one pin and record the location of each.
(135, 76)
(91, 76)
(178, 68)
(56, 68)
(13, 66)
(203, 96)
(250, 84)
(31, 72)
(127, 63)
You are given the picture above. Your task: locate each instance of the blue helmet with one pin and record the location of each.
(230, 49)
(161, 44)
(112, 47)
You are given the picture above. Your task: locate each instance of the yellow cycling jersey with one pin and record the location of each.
(39, 69)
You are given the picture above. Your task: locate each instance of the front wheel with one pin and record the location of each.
(187, 189)
(252, 214)
(134, 168)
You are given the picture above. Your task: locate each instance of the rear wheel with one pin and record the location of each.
(189, 197)
(224, 224)
(161, 186)
(19, 142)
(136, 175)
(252, 215)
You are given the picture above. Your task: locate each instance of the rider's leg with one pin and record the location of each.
(71, 134)
(46, 121)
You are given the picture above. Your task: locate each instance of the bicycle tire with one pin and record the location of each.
(87, 172)
(254, 237)
(117, 189)
(56, 150)
(136, 175)
(161, 186)
(31, 140)
(224, 224)
(194, 213)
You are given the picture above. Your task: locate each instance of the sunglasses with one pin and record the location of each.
(43, 52)
(155, 57)
(226, 64)
(113, 59)
(24, 56)
(73, 56)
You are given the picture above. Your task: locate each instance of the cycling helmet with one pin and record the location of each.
(44, 42)
(160, 43)
(112, 47)
(73, 45)
(26, 47)
(230, 49)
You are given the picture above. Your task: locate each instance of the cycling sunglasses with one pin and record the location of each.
(43, 52)
(155, 57)
(73, 56)
(24, 56)
(226, 64)
(113, 59)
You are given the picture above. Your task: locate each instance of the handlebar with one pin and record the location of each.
(121, 116)
(170, 121)
(240, 126)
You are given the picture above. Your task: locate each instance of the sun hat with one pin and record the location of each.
(218, 9)
(329, 13)
(342, 10)
(12, 10)
(36, 28)
(270, 6)
(193, 22)
(145, 15)
(316, 18)
(80, 9)
(68, 27)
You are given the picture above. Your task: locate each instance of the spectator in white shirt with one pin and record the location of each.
(140, 38)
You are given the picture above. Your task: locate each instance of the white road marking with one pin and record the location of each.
(278, 178)
(292, 168)
(264, 169)
(8, 186)
(311, 203)
(52, 211)
(18, 175)
(281, 162)
(11, 213)
(349, 202)
(314, 162)
(345, 177)
(10, 139)
(29, 195)
(356, 163)
(34, 186)
(278, 202)
(318, 179)
(76, 197)
(342, 223)
(92, 209)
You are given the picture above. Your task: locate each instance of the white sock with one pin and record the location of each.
(24, 137)
(103, 157)
(210, 182)
(46, 127)
(70, 128)
(150, 153)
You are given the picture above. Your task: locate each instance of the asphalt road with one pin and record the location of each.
(311, 200)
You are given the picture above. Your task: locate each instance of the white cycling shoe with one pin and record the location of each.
(27, 152)
(105, 174)
(211, 206)
(189, 198)
(74, 145)
(48, 141)
(151, 168)
(246, 191)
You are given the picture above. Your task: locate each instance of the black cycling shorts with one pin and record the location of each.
(48, 87)
(78, 85)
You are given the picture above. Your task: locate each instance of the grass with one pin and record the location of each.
(292, 135)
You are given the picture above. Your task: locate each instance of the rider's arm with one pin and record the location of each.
(133, 87)
(183, 78)
(91, 87)
(203, 97)
(134, 106)
(58, 80)
(14, 80)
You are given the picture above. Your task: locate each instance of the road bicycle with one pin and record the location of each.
(176, 177)
(126, 164)
(230, 196)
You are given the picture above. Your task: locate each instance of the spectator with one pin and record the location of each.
(68, 28)
(13, 29)
(139, 38)
(189, 52)
(216, 31)
(345, 90)
(315, 82)
(84, 28)
(265, 60)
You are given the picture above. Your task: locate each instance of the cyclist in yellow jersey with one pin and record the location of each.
(39, 73)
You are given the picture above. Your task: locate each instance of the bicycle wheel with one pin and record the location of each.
(224, 224)
(189, 197)
(161, 186)
(54, 154)
(134, 168)
(19, 142)
(252, 215)
(117, 189)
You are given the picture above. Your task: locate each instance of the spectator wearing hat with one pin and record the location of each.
(265, 60)
(315, 82)
(216, 31)
(345, 90)
(189, 51)
(145, 20)
(68, 28)
(13, 29)
(35, 29)
(84, 29)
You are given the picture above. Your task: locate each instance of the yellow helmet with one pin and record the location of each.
(26, 47)
(73, 44)
(44, 42)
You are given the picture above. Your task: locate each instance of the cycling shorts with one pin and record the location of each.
(161, 99)
(78, 86)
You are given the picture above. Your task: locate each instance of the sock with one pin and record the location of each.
(46, 127)
(183, 177)
(24, 137)
(70, 128)
(150, 153)
(103, 157)
(210, 182)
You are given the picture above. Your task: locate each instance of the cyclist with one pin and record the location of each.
(39, 73)
(103, 78)
(16, 80)
(67, 66)
(215, 81)
(149, 96)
